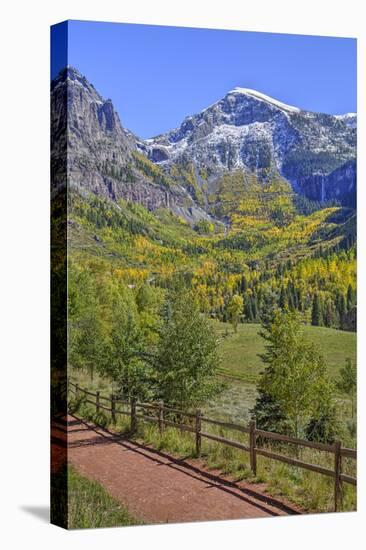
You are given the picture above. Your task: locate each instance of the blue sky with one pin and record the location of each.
(156, 75)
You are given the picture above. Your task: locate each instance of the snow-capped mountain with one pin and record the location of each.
(248, 130)
(244, 131)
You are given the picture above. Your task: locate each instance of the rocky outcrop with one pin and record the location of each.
(339, 185)
(93, 152)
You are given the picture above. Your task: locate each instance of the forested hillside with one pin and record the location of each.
(267, 248)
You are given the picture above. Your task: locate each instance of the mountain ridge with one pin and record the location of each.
(245, 131)
(102, 156)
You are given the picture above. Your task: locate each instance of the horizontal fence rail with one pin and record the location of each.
(255, 435)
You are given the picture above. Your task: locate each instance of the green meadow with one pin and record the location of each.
(240, 351)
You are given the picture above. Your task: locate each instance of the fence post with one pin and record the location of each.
(113, 409)
(76, 391)
(97, 401)
(252, 445)
(161, 417)
(337, 476)
(198, 432)
(133, 415)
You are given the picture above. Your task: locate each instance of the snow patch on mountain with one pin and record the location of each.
(266, 98)
(348, 118)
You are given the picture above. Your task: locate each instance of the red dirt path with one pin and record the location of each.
(158, 488)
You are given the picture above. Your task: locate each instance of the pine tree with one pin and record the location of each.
(350, 297)
(244, 284)
(248, 311)
(316, 312)
(254, 306)
(283, 298)
(300, 300)
(342, 310)
(329, 314)
(290, 296)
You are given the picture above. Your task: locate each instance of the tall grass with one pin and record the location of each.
(90, 506)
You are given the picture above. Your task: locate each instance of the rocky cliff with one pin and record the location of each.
(102, 156)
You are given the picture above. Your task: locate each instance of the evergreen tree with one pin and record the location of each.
(342, 310)
(290, 297)
(244, 284)
(283, 298)
(324, 426)
(269, 413)
(248, 311)
(329, 314)
(300, 300)
(350, 297)
(316, 312)
(268, 310)
(254, 303)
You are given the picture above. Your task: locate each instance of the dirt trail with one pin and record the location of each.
(158, 488)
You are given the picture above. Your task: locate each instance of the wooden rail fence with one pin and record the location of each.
(145, 411)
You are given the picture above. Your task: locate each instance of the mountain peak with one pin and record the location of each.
(263, 97)
(69, 72)
(70, 76)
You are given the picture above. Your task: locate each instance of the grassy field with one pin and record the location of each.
(240, 351)
(242, 366)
